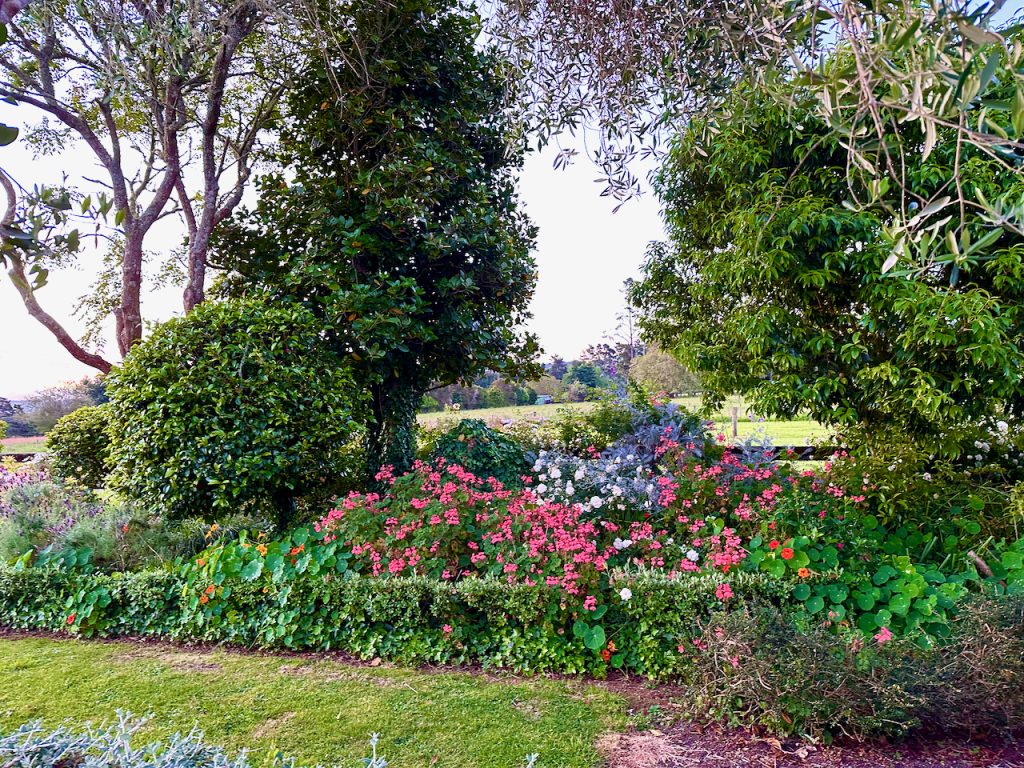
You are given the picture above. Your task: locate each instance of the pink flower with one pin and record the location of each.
(447, 629)
(723, 592)
(883, 636)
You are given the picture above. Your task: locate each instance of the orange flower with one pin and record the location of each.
(803, 573)
(787, 553)
(200, 562)
(210, 589)
(611, 646)
(204, 600)
(262, 549)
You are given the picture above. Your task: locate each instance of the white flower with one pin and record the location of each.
(616, 491)
(927, 476)
(570, 489)
(538, 466)
(1002, 426)
(541, 489)
(580, 473)
(625, 593)
(596, 502)
(555, 473)
(630, 457)
(693, 555)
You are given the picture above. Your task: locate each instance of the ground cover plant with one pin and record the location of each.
(319, 711)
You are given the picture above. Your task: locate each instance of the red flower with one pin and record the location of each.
(787, 553)
(773, 544)
(606, 654)
(210, 589)
(803, 573)
(71, 619)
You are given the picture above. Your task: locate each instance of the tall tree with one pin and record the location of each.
(773, 285)
(633, 73)
(169, 100)
(394, 214)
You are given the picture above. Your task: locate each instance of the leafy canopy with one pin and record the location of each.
(394, 214)
(234, 407)
(773, 285)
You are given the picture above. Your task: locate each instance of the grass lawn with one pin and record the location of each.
(23, 444)
(796, 432)
(319, 711)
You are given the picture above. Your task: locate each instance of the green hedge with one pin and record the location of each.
(413, 620)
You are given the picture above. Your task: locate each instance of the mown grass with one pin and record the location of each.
(319, 711)
(22, 444)
(795, 432)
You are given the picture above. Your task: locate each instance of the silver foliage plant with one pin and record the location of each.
(33, 746)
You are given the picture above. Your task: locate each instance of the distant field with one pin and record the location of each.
(796, 432)
(23, 445)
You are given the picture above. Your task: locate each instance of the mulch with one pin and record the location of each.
(687, 746)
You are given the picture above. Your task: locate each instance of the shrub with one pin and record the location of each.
(759, 665)
(976, 685)
(118, 745)
(236, 407)
(483, 452)
(79, 446)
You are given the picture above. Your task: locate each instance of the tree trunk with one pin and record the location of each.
(129, 313)
(391, 438)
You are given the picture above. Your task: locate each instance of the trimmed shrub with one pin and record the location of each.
(79, 446)
(483, 451)
(236, 407)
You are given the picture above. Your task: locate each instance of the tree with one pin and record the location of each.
(547, 385)
(557, 367)
(44, 408)
(586, 373)
(660, 372)
(235, 407)
(772, 285)
(394, 215)
(636, 72)
(171, 100)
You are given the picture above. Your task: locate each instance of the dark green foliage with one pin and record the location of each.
(771, 286)
(395, 215)
(79, 446)
(236, 407)
(587, 374)
(483, 451)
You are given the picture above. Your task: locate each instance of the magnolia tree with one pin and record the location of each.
(170, 101)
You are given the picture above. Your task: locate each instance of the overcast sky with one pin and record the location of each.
(584, 253)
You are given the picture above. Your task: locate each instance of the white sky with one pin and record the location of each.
(584, 253)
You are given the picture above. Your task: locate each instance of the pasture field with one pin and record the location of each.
(23, 445)
(795, 432)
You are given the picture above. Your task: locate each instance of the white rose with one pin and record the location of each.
(625, 593)
(555, 473)
(693, 556)
(541, 488)
(580, 473)
(1002, 426)
(595, 502)
(616, 491)
(570, 489)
